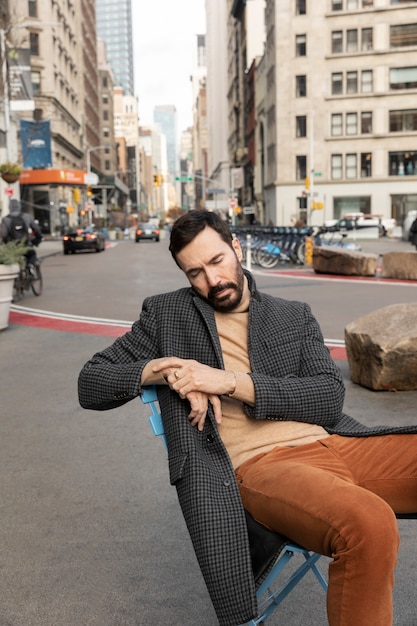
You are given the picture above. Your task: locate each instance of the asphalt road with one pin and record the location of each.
(91, 532)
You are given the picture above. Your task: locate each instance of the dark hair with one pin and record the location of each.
(188, 226)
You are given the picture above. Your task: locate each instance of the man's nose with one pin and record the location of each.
(212, 278)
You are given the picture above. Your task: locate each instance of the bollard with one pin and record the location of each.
(308, 251)
(248, 252)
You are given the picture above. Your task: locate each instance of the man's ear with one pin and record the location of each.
(237, 248)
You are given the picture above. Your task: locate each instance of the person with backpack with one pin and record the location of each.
(19, 226)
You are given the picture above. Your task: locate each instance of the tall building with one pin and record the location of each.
(166, 118)
(114, 27)
(340, 108)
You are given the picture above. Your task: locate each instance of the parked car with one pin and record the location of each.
(359, 221)
(409, 219)
(83, 239)
(147, 231)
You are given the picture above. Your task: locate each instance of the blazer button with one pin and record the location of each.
(227, 483)
(209, 438)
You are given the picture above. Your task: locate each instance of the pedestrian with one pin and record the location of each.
(19, 226)
(252, 408)
(413, 233)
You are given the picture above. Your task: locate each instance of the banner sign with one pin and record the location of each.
(20, 80)
(35, 138)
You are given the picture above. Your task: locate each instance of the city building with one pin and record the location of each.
(114, 27)
(340, 110)
(165, 116)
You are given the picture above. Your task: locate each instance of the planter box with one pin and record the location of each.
(7, 275)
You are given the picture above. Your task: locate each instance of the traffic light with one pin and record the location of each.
(76, 195)
(155, 180)
(89, 191)
(307, 183)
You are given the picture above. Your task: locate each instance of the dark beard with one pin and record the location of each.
(229, 302)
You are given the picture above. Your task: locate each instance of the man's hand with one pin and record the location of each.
(199, 384)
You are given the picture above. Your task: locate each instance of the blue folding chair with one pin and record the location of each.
(270, 591)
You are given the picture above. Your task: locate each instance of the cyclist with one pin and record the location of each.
(17, 226)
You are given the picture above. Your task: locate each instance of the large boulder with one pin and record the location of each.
(400, 265)
(381, 348)
(335, 260)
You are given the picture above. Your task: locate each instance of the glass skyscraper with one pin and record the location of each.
(114, 27)
(166, 117)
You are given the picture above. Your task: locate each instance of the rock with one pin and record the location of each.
(335, 260)
(401, 265)
(381, 348)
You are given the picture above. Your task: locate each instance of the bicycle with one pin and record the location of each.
(29, 277)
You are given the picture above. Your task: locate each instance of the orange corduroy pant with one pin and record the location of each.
(338, 497)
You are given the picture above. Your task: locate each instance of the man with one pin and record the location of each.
(19, 226)
(252, 410)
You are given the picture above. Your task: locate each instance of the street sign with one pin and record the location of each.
(90, 178)
(317, 173)
(89, 206)
(213, 190)
(8, 191)
(184, 179)
(232, 203)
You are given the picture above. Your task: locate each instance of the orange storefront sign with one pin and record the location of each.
(45, 177)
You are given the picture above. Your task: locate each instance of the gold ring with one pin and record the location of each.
(176, 374)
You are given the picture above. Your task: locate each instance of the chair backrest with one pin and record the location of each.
(149, 396)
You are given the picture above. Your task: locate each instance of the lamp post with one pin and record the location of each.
(6, 102)
(88, 157)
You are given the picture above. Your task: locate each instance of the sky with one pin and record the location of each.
(163, 42)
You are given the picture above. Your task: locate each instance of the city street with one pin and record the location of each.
(92, 534)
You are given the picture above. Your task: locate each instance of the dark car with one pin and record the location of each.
(147, 231)
(83, 239)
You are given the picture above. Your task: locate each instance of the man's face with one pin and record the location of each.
(213, 269)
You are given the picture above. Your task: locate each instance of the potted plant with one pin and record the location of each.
(12, 257)
(10, 172)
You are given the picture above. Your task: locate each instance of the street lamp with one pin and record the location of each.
(88, 159)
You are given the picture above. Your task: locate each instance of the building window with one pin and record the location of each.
(367, 81)
(366, 165)
(403, 78)
(337, 124)
(352, 5)
(300, 45)
(337, 166)
(367, 42)
(337, 41)
(351, 82)
(301, 167)
(300, 86)
(403, 121)
(403, 163)
(34, 44)
(107, 165)
(337, 5)
(366, 4)
(337, 83)
(32, 8)
(403, 1)
(105, 98)
(106, 132)
(104, 81)
(300, 7)
(301, 125)
(402, 35)
(351, 123)
(366, 122)
(352, 40)
(36, 82)
(351, 166)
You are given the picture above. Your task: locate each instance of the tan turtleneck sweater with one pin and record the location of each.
(245, 436)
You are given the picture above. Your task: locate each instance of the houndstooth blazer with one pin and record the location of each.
(294, 379)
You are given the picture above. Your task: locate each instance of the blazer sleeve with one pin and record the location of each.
(112, 377)
(295, 378)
